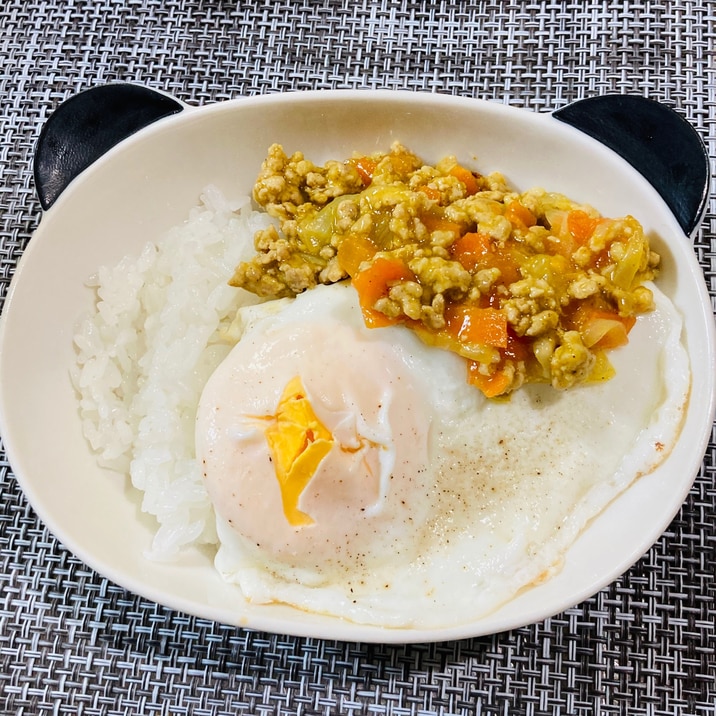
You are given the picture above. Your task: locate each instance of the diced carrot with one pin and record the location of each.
(517, 349)
(365, 167)
(519, 215)
(476, 251)
(353, 251)
(436, 222)
(467, 178)
(374, 282)
(580, 225)
(508, 265)
(602, 328)
(431, 192)
(470, 249)
(628, 322)
(476, 326)
(614, 337)
(609, 331)
(491, 385)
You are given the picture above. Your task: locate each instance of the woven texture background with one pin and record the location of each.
(72, 643)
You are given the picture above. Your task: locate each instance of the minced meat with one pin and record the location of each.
(528, 287)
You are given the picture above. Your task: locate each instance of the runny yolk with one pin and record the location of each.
(297, 441)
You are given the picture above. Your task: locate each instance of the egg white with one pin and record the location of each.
(496, 493)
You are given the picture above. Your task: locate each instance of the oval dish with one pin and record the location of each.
(147, 183)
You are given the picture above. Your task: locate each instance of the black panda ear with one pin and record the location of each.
(89, 124)
(657, 141)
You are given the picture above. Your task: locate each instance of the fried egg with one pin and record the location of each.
(355, 473)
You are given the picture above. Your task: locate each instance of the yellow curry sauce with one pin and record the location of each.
(527, 287)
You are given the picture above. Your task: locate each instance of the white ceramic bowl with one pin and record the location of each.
(147, 183)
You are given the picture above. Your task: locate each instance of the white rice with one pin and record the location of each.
(145, 353)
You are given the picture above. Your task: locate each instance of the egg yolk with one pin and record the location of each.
(297, 441)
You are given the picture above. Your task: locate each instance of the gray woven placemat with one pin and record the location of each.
(73, 643)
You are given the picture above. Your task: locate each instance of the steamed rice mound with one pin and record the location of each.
(145, 353)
